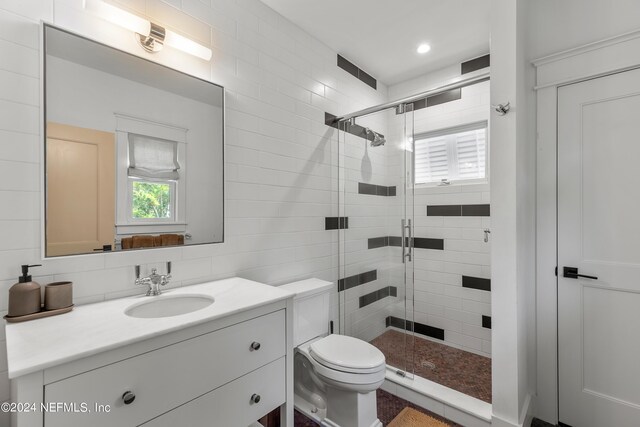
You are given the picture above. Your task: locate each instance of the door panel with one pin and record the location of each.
(80, 189)
(599, 233)
(409, 217)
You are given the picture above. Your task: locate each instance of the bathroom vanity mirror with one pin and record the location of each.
(133, 151)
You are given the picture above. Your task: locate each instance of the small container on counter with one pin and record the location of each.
(58, 295)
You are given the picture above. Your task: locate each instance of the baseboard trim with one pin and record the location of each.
(526, 415)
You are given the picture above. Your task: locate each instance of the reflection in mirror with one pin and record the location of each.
(134, 151)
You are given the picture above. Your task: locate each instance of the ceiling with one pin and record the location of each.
(381, 36)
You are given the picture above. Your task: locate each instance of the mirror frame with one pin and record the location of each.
(43, 143)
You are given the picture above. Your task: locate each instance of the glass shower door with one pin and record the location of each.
(376, 199)
(405, 255)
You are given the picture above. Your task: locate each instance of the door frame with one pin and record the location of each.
(598, 59)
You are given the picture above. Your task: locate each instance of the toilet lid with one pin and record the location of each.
(347, 354)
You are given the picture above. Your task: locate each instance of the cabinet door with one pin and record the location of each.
(168, 377)
(233, 405)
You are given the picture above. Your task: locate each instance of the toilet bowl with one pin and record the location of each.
(335, 376)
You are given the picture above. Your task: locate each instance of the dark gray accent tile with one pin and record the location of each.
(374, 296)
(355, 71)
(418, 242)
(364, 188)
(418, 328)
(476, 283)
(369, 276)
(376, 190)
(444, 210)
(486, 322)
(378, 242)
(539, 423)
(331, 223)
(343, 222)
(335, 223)
(448, 96)
(381, 190)
(475, 64)
(368, 79)
(348, 66)
(420, 104)
(330, 120)
(357, 280)
(393, 291)
(356, 130)
(426, 243)
(476, 210)
(429, 331)
(395, 241)
(367, 299)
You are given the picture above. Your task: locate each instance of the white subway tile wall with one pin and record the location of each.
(281, 175)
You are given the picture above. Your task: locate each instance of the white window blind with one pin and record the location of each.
(453, 154)
(153, 158)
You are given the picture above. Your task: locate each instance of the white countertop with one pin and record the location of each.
(94, 328)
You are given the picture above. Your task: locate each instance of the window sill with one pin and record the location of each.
(151, 227)
(453, 183)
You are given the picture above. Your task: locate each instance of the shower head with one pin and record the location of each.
(377, 140)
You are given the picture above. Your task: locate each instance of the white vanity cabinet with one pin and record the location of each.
(226, 372)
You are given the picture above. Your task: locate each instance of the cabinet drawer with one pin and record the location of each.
(231, 405)
(170, 376)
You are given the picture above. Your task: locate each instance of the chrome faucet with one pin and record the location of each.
(154, 280)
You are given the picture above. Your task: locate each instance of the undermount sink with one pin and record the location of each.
(169, 306)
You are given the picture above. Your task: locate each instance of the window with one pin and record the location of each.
(152, 200)
(152, 176)
(449, 155)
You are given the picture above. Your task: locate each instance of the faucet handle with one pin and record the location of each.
(169, 268)
(137, 267)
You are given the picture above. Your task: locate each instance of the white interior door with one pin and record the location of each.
(80, 189)
(599, 234)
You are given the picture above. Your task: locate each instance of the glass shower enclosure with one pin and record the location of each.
(376, 199)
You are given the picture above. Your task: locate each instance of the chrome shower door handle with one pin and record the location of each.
(406, 254)
(409, 254)
(402, 226)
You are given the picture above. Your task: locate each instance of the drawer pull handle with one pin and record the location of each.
(255, 398)
(128, 397)
(255, 346)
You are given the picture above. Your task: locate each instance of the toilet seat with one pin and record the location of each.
(347, 354)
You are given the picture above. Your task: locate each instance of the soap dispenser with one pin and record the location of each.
(24, 296)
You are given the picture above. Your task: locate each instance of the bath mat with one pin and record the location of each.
(409, 417)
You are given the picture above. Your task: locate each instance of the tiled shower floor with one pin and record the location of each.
(457, 369)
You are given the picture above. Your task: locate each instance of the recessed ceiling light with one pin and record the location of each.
(423, 48)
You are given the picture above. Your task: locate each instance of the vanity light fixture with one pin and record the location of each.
(152, 37)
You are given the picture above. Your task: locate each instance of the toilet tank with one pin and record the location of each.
(310, 309)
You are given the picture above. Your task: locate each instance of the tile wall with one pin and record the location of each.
(280, 156)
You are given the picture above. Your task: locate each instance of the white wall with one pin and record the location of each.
(280, 174)
(560, 25)
(513, 226)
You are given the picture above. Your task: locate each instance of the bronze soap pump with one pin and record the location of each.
(24, 296)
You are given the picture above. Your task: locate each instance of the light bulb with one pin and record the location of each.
(186, 45)
(118, 16)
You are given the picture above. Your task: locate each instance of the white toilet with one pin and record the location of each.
(335, 376)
